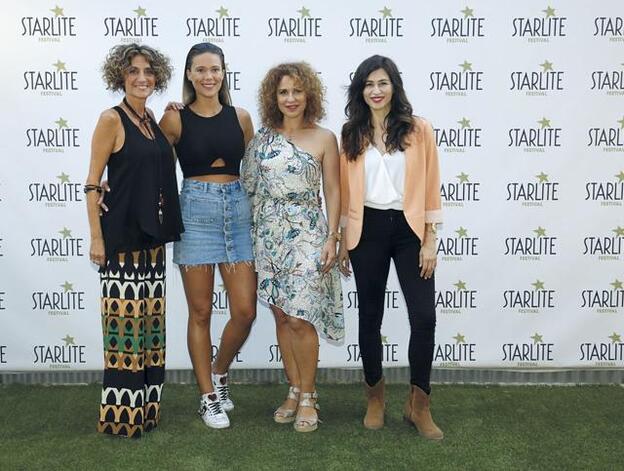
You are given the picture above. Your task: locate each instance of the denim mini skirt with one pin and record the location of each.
(217, 224)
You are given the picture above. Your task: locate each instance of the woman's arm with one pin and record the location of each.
(246, 125)
(331, 192)
(171, 126)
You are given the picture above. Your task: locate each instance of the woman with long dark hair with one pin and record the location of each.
(390, 182)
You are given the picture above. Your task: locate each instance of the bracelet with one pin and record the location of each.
(335, 235)
(88, 188)
(433, 229)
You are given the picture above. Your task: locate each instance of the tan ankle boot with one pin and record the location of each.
(418, 414)
(374, 418)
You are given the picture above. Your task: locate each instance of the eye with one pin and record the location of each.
(149, 72)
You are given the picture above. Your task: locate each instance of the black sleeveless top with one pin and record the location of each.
(204, 140)
(139, 174)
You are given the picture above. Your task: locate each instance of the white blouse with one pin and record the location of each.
(385, 178)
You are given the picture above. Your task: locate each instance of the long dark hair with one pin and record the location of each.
(188, 92)
(357, 132)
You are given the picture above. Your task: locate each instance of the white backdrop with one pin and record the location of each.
(527, 99)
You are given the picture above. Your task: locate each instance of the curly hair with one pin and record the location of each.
(301, 72)
(119, 59)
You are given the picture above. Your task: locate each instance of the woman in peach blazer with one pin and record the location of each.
(390, 184)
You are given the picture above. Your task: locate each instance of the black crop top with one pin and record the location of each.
(205, 140)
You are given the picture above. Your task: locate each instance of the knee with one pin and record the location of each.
(200, 314)
(423, 322)
(298, 326)
(245, 317)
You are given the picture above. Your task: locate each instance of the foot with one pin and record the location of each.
(220, 383)
(285, 413)
(307, 416)
(211, 412)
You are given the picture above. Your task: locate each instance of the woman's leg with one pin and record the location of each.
(286, 346)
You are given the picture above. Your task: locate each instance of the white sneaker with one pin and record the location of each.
(223, 391)
(211, 411)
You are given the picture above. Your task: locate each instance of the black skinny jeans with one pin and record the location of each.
(387, 235)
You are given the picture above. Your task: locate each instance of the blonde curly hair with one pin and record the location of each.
(301, 72)
(120, 57)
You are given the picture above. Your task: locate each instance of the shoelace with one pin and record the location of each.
(223, 391)
(214, 408)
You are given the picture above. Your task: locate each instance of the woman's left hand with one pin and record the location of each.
(427, 259)
(328, 255)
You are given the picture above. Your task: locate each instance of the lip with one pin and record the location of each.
(291, 107)
(377, 99)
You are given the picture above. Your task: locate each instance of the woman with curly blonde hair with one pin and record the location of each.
(128, 241)
(294, 244)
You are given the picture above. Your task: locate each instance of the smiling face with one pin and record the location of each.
(291, 97)
(378, 90)
(139, 78)
(206, 74)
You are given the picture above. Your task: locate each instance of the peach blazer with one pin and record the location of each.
(421, 194)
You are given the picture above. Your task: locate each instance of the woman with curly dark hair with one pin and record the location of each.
(390, 183)
(295, 246)
(128, 241)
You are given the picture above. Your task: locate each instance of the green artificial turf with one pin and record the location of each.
(502, 428)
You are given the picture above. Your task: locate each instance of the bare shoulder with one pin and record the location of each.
(109, 118)
(327, 136)
(170, 116)
(243, 114)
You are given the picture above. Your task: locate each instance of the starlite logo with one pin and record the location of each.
(529, 301)
(215, 351)
(295, 29)
(458, 138)
(275, 354)
(606, 300)
(389, 351)
(57, 302)
(457, 299)
(533, 193)
(605, 247)
(611, 82)
(233, 78)
(2, 300)
(3, 355)
(530, 354)
(391, 299)
(610, 139)
(51, 82)
(607, 353)
(457, 83)
(453, 248)
(377, 29)
(455, 353)
(457, 193)
(538, 83)
(611, 27)
(609, 193)
(131, 28)
(64, 355)
(536, 139)
(59, 248)
(53, 139)
(56, 194)
(220, 301)
(50, 28)
(214, 28)
(532, 247)
(459, 29)
(540, 28)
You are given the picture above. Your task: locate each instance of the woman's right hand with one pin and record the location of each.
(96, 251)
(174, 106)
(343, 259)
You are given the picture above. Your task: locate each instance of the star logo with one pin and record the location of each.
(621, 121)
(538, 284)
(549, 11)
(63, 177)
(304, 12)
(386, 12)
(67, 286)
(384, 339)
(463, 178)
(223, 12)
(140, 12)
(460, 285)
(464, 123)
(620, 176)
(58, 11)
(65, 233)
(619, 231)
(540, 231)
(544, 123)
(466, 66)
(69, 340)
(617, 284)
(59, 65)
(459, 338)
(542, 177)
(546, 66)
(615, 338)
(468, 12)
(61, 123)
(462, 232)
(537, 338)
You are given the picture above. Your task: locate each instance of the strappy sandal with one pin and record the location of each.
(286, 416)
(309, 424)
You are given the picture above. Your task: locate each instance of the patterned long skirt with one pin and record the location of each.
(133, 323)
